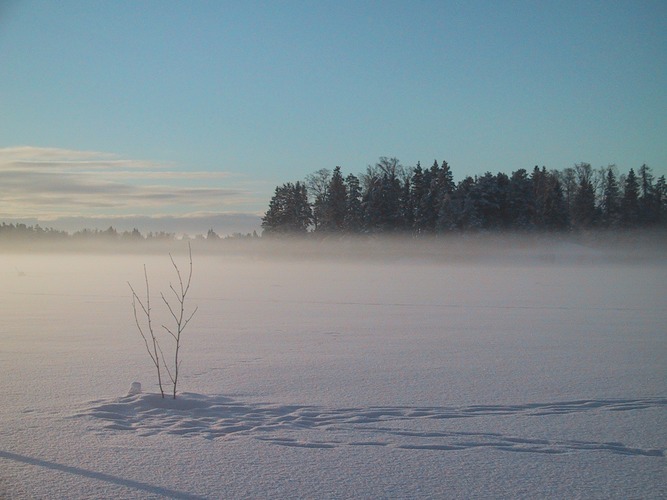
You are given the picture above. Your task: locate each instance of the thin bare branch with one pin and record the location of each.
(170, 332)
(166, 366)
(188, 320)
(141, 331)
(166, 302)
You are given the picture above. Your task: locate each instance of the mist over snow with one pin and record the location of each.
(472, 368)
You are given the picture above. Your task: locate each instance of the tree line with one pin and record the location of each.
(30, 233)
(23, 231)
(390, 198)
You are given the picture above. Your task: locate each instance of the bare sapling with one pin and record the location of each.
(178, 314)
(180, 317)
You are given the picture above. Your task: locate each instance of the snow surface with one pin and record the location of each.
(323, 379)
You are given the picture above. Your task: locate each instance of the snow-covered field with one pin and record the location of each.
(331, 379)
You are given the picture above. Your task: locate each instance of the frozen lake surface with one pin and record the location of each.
(333, 379)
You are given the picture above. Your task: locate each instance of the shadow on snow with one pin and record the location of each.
(214, 417)
(100, 476)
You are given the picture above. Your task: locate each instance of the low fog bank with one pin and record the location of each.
(632, 247)
(511, 249)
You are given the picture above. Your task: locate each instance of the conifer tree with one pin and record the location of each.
(583, 205)
(447, 214)
(555, 209)
(442, 198)
(417, 193)
(289, 211)
(661, 200)
(468, 218)
(502, 183)
(431, 202)
(406, 209)
(334, 204)
(610, 203)
(353, 209)
(521, 200)
(647, 207)
(630, 201)
(486, 197)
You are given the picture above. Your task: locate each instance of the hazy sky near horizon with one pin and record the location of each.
(195, 111)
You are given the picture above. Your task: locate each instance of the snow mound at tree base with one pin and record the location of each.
(135, 389)
(404, 427)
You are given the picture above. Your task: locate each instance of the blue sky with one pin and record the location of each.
(188, 114)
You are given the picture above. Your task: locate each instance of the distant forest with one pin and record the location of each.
(390, 198)
(25, 233)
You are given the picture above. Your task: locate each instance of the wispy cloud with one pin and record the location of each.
(50, 184)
